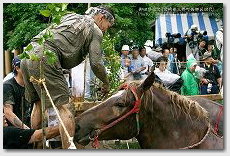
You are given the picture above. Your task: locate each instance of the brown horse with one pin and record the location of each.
(166, 120)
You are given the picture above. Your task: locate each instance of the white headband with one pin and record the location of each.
(95, 10)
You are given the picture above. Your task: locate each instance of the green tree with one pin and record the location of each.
(21, 21)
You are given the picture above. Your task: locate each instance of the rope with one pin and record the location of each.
(201, 141)
(42, 82)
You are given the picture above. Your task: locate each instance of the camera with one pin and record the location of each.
(202, 33)
(175, 35)
(171, 37)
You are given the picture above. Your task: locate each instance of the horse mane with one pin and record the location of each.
(179, 104)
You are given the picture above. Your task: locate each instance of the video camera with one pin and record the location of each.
(175, 35)
(202, 33)
(171, 37)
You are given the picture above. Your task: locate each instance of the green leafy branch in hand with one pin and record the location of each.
(112, 61)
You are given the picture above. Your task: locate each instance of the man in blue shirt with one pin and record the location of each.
(137, 64)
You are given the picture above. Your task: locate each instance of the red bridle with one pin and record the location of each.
(216, 128)
(135, 109)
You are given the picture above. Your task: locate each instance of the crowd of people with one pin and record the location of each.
(203, 72)
(22, 98)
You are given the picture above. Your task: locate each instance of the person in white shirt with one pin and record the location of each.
(154, 54)
(148, 62)
(170, 80)
(219, 42)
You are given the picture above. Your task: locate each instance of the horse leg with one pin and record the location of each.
(68, 120)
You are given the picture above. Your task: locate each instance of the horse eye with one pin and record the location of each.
(120, 104)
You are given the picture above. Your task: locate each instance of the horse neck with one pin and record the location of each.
(162, 129)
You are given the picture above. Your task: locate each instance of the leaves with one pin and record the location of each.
(24, 55)
(45, 13)
(64, 6)
(51, 56)
(29, 47)
(34, 57)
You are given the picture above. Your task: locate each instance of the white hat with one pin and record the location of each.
(194, 27)
(125, 47)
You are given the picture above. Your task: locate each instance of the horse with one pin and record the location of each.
(156, 117)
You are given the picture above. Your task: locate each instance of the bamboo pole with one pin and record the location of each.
(43, 105)
(85, 64)
(7, 62)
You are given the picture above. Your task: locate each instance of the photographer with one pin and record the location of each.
(192, 41)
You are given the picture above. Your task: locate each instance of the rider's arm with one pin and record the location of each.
(95, 56)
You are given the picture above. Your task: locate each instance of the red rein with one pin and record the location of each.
(216, 128)
(135, 109)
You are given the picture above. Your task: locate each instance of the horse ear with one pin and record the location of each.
(148, 82)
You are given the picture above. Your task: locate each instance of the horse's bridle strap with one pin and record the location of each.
(135, 109)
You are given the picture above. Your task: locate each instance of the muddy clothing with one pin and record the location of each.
(16, 138)
(14, 94)
(73, 39)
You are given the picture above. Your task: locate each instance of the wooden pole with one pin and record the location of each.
(85, 65)
(43, 95)
(8, 67)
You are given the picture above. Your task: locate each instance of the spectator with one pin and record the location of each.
(173, 61)
(219, 41)
(125, 70)
(192, 41)
(124, 54)
(190, 85)
(17, 109)
(200, 50)
(170, 80)
(125, 62)
(217, 62)
(212, 80)
(165, 53)
(148, 62)
(17, 138)
(210, 48)
(155, 54)
(137, 64)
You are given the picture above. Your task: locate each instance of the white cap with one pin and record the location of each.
(194, 27)
(125, 47)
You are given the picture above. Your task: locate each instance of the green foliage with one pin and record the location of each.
(55, 11)
(112, 61)
(21, 21)
(132, 23)
(51, 56)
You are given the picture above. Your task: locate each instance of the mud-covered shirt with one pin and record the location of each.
(74, 38)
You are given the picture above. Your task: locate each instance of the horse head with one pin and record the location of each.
(111, 119)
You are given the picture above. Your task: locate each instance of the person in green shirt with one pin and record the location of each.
(190, 85)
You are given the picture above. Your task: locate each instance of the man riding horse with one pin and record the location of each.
(74, 38)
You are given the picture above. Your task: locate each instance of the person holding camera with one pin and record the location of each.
(192, 41)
